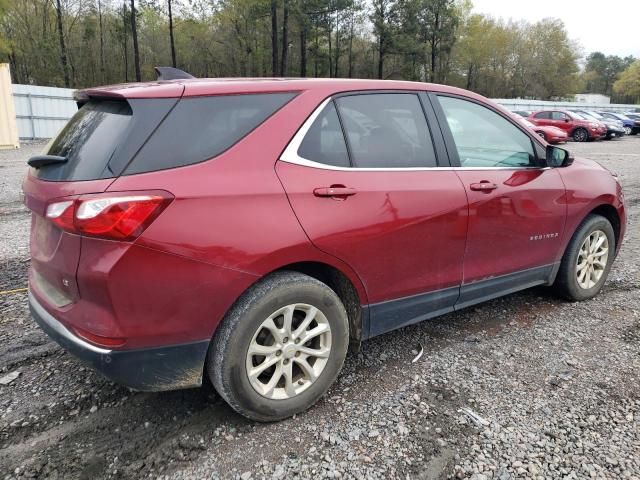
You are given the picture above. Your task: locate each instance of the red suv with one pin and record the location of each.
(577, 127)
(248, 231)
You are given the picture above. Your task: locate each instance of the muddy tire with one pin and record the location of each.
(280, 347)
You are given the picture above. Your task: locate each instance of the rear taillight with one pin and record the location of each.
(115, 216)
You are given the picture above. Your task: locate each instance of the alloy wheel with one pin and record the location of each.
(288, 351)
(592, 259)
(580, 135)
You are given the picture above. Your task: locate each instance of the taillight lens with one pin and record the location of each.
(122, 216)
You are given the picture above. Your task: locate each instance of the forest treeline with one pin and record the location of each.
(78, 43)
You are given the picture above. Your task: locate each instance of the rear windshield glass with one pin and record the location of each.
(88, 141)
(200, 128)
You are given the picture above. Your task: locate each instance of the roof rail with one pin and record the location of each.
(170, 73)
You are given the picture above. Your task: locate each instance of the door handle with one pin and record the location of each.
(337, 191)
(483, 186)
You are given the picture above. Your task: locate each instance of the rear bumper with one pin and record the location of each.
(150, 369)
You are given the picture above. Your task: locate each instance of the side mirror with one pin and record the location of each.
(558, 157)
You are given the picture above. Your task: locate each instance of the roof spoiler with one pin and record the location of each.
(170, 73)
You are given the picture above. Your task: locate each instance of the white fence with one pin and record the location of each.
(532, 105)
(42, 111)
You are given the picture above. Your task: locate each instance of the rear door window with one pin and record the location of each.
(544, 115)
(88, 141)
(386, 130)
(200, 128)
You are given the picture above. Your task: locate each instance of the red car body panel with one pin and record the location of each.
(245, 213)
(552, 134)
(392, 212)
(527, 204)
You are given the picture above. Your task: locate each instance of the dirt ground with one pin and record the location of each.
(555, 385)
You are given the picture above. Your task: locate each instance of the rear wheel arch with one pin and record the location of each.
(343, 286)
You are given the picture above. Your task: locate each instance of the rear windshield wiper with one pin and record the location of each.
(42, 160)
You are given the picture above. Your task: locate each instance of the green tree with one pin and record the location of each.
(628, 84)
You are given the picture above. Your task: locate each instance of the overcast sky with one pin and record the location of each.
(608, 26)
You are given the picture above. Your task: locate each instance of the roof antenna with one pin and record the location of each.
(170, 73)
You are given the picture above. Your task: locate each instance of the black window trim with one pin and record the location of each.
(294, 94)
(452, 150)
(290, 153)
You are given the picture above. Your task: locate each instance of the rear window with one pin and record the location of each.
(88, 141)
(200, 128)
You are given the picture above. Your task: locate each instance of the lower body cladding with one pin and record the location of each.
(147, 369)
(180, 366)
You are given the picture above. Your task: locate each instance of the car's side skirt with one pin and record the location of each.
(389, 315)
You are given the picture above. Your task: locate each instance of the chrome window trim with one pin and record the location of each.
(290, 154)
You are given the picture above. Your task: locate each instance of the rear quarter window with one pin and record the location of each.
(200, 128)
(88, 141)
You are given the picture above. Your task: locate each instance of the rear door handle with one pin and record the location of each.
(483, 186)
(338, 192)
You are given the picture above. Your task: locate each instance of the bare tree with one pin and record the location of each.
(285, 39)
(134, 33)
(274, 38)
(124, 38)
(63, 48)
(173, 45)
(101, 40)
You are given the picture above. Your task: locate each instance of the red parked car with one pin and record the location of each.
(249, 231)
(580, 129)
(548, 133)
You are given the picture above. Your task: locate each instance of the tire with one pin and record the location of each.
(229, 362)
(567, 282)
(580, 135)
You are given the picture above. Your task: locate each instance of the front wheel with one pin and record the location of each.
(587, 261)
(580, 135)
(280, 347)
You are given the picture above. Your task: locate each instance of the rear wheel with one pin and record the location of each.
(587, 260)
(280, 347)
(580, 135)
(627, 130)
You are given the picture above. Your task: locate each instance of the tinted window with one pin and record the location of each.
(386, 130)
(199, 128)
(544, 115)
(88, 141)
(324, 142)
(484, 138)
(558, 116)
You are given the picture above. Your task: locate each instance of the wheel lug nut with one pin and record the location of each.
(300, 382)
(286, 361)
(278, 353)
(286, 339)
(297, 340)
(297, 354)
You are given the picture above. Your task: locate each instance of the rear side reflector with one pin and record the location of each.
(114, 216)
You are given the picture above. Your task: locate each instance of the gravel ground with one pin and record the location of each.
(527, 386)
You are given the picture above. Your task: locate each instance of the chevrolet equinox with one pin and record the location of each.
(247, 231)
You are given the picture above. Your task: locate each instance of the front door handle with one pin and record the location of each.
(483, 186)
(337, 191)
